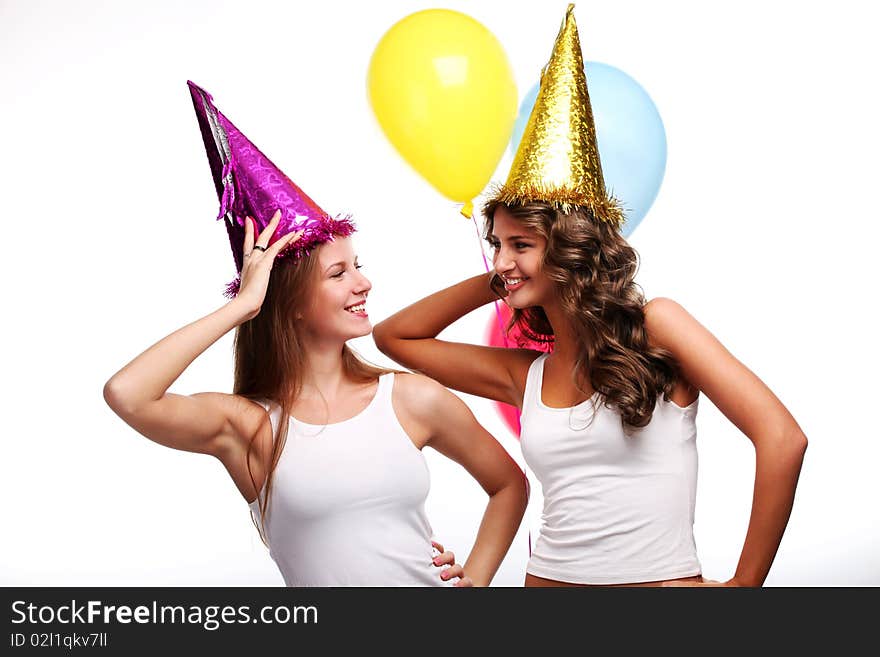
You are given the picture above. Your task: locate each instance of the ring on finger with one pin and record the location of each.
(258, 247)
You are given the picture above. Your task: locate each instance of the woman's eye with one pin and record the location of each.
(340, 273)
(522, 245)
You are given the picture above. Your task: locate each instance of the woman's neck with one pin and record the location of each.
(323, 370)
(566, 344)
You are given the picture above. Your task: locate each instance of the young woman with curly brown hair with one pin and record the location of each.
(608, 417)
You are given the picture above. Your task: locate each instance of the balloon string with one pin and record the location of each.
(498, 319)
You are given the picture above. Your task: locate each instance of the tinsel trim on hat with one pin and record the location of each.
(604, 208)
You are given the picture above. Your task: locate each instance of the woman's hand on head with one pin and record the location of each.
(258, 257)
(455, 570)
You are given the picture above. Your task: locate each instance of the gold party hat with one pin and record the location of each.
(558, 159)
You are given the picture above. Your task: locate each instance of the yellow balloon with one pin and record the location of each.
(443, 91)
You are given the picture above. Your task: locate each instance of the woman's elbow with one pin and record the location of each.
(787, 437)
(518, 484)
(382, 338)
(118, 399)
(801, 442)
(379, 335)
(111, 393)
(791, 447)
(523, 497)
(526, 490)
(796, 440)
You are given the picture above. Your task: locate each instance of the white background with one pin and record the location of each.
(765, 229)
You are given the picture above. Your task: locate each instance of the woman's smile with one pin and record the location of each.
(513, 284)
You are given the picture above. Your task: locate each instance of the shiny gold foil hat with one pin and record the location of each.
(558, 159)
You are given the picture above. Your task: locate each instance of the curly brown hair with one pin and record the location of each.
(593, 270)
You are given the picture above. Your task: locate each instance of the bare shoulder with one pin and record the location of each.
(418, 394)
(426, 409)
(673, 328)
(663, 316)
(416, 400)
(669, 325)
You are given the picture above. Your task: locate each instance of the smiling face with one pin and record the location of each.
(519, 252)
(337, 299)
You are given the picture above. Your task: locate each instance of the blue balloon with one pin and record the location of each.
(632, 141)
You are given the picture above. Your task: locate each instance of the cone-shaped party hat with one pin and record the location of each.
(558, 159)
(249, 185)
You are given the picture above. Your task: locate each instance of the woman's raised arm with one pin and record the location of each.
(202, 422)
(409, 337)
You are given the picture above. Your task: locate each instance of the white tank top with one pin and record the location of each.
(347, 506)
(617, 509)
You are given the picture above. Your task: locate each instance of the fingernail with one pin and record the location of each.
(444, 574)
(436, 561)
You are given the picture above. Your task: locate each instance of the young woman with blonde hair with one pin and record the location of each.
(324, 447)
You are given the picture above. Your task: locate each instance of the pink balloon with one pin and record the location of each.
(496, 337)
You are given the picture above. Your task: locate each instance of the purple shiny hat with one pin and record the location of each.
(249, 185)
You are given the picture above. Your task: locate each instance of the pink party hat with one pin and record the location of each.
(249, 185)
